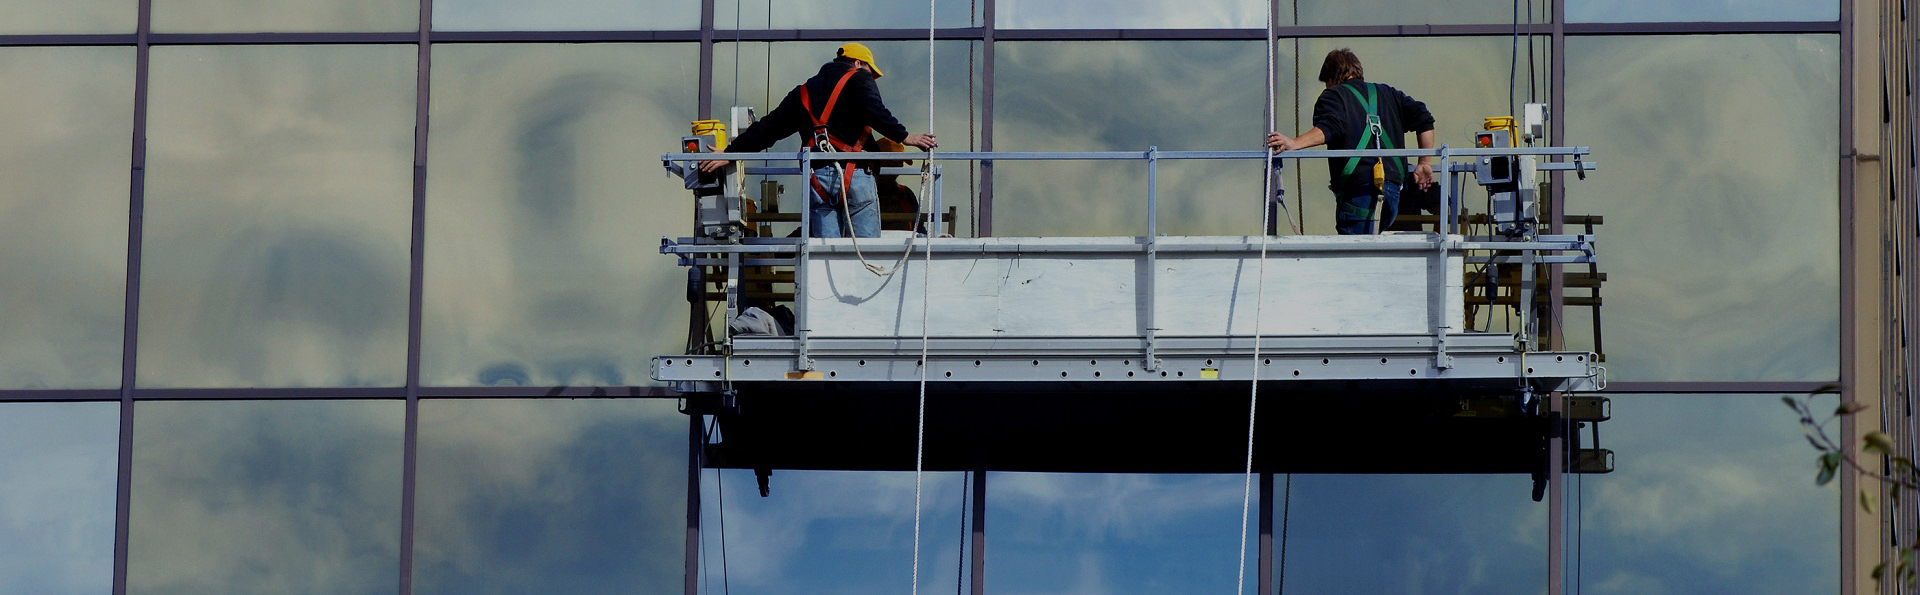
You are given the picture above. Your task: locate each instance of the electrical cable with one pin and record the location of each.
(960, 564)
(1286, 511)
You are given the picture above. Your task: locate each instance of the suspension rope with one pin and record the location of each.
(1253, 398)
(926, 290)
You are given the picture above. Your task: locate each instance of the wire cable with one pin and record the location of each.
(926, 291)
(1253, 397)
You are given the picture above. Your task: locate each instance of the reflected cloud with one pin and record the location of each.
(277, 217)
(65, 132)
(57, 482)
(1149, 14)
(574, 496)
(544, 210)
(564, 15)
(278, 496)
(832, 531)
(1647, 11)
(1743, 280)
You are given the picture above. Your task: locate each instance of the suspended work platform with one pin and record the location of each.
(1134, 354)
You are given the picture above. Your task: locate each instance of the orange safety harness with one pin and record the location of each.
(824, 140)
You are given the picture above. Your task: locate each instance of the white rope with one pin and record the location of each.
(926, 290)
(1253, 399)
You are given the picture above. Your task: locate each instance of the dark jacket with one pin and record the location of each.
(1342, 118)
(859, 107)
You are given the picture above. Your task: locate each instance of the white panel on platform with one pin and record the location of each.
(1095, 287)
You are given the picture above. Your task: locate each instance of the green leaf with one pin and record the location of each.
(1850, 408)
(1866, 501)
(1791, 402)
(1829, 463)
(1879, 569)
(1878, 442)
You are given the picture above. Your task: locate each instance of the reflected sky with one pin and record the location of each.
(28, 17)
(66, 124)
(575, 496)
(545, 207)
(564, 15)
(1721, 238)
(831, 532)
(840, 14)
(1640, 11)
(1092, 96)
(276, 496)
(284, 16)
(1104, 533)
(277, 222)
(1713, 494)
(58, 466)
(1431, 12)
(1106, 14)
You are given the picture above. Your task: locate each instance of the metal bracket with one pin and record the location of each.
(1591, 460)
(1592, 409)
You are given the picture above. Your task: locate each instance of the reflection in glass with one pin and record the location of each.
(1411, 533)
(30, 17)
(1135, 14)
(1711, 494)
(278, 211)
(58, 468)
(904, 88)
(1111, 533)
(1722, 259)
(544, 204)
(565, 15)
(835, 532)
(575, 496)
(284, 16)
(841, 14)
(66, 124)
(1473, 86)
(1644, 11)
(265, 496)
(1446, 12)
(1095, 96)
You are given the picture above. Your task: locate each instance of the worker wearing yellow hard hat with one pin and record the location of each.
(838, 109)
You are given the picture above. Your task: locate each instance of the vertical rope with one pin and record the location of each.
(926, 290)
(1253, 399)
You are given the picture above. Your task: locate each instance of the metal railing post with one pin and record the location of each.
(1152, 360)
(1441, 272)
(800, 324)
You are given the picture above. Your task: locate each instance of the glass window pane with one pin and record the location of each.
(1430, 12)
(1136, 14)
(565, 15)
(1643, 11)
(575, 496)
(841, 14)
(266, 496)
(1111, 533)
(958, 93)
(66, 132)
(1710, 494)
(1128, 96)
(59, 464)
(29, 17)
(1411, 534)
(545, 202)
(835, 532)
(278, 216)
(1722, 259)
(284, 16)
(1474, 86)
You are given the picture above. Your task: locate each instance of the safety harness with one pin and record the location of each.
(825, 142)
(1376, 134)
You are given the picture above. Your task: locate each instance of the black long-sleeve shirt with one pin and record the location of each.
(1343, 119)
(859, 108)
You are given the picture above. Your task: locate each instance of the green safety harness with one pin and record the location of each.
(1375, 134)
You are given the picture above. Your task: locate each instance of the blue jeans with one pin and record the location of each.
(1354, 212)
(862, 203)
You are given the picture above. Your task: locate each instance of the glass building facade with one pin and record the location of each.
(358, 296)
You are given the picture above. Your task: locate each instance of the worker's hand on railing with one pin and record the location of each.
(713, 165)
(923, 141)
(1279, 142)
(1423, 175)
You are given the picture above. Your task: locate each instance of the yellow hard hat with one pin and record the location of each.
(861, 53)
